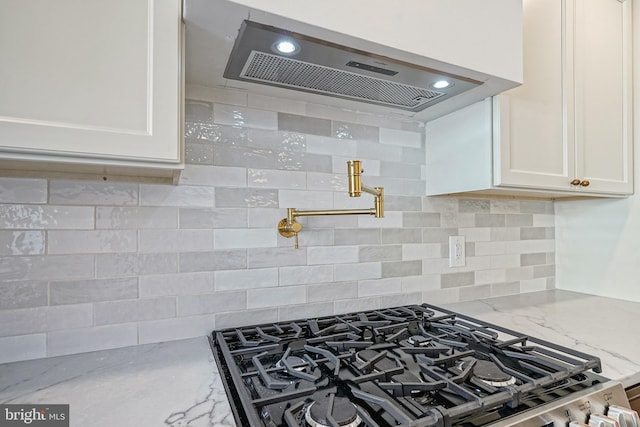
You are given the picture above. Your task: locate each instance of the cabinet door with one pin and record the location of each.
(603, 106)
(93, 79)
(533, 142)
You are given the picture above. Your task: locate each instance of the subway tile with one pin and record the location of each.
(302, 199)
(204, 132)
(357, 236)
(198, 218)
(212, 261)
(332, 113)
(180, 196)
(304, 124)
(474, 206)
(355, 305)
(331, 146)
(275, 257)
(111, 312)
(264, 217)
(401, 235)
(490, 220)
(441, 296)
(533, 285)
(136, 217)
(421, 283)
(176, 240)
(454, 219)
(403, 203)
(380, 253)
(530, 246)
(305, 311)
(189, 305)
(332, 255)
(401, 268)
(244, 117)
(245, 318)
(505, 234)
(396, 300)
(91, 339)
(440, 204)
(23, 190)
(82, 291)
(246, 198)
(536, 207)
(479, 234)
(220, 176)
(438, 235)
(198, 153)
(489, 248)
(326, 182)
(305, 275)
(533, 259)
(91, 241)
(280, 142)
(532, 233)
(237, 238)
(23, 295)
(198, 111)
(310, 237)
(274, 297)
(357, 271)
(176, 284)
(519, 273)
(275, 178)
(22, 242)
(276, 104)
(331, 291)
(505, 261)
(175, 329)
(92, 193)
(44, 319)
(52, 267)
(368, 288)
(412, 251)
(505, 206)
(544, 271)
(246, 279)
(47, 217)
(483, 277)
(23, 347)
(543, 220)
(400, 170)
(108, 265)
(415, 156)
(420, 219)
(454, 280)
(360, 132)
(375, 151)
(519, 220)
(471, 293)
(502, 289)
(400, 138)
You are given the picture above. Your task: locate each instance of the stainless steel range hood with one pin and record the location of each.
(232, 45)
(324, 68)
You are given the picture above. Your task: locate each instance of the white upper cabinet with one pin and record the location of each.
(567, 130)
(91, 86)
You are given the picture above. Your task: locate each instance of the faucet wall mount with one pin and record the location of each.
(289, 227)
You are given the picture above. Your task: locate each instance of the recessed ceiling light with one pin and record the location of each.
(441, 84)
(286, 47)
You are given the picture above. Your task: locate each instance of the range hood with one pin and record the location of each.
(236, 45)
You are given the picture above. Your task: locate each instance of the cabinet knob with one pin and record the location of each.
(585, 183)
(575, 182)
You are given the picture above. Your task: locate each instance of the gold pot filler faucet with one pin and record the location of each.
(289, 227)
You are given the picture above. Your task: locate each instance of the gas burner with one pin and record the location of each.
(343, 413)
(296, 362)
(489, 373)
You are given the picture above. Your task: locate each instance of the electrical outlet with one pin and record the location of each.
(456, 251)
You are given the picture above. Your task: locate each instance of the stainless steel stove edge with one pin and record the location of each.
(575, 407)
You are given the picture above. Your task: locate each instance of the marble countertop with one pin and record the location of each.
(177, 383)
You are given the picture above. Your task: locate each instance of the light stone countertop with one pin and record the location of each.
(177, 383)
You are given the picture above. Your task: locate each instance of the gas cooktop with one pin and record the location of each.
(417, 365)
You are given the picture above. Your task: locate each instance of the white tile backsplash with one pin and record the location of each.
(88, 265)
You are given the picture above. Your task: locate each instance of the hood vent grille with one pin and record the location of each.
(283, 71)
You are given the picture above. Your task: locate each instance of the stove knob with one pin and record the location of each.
(597, 420)
(625, 416)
